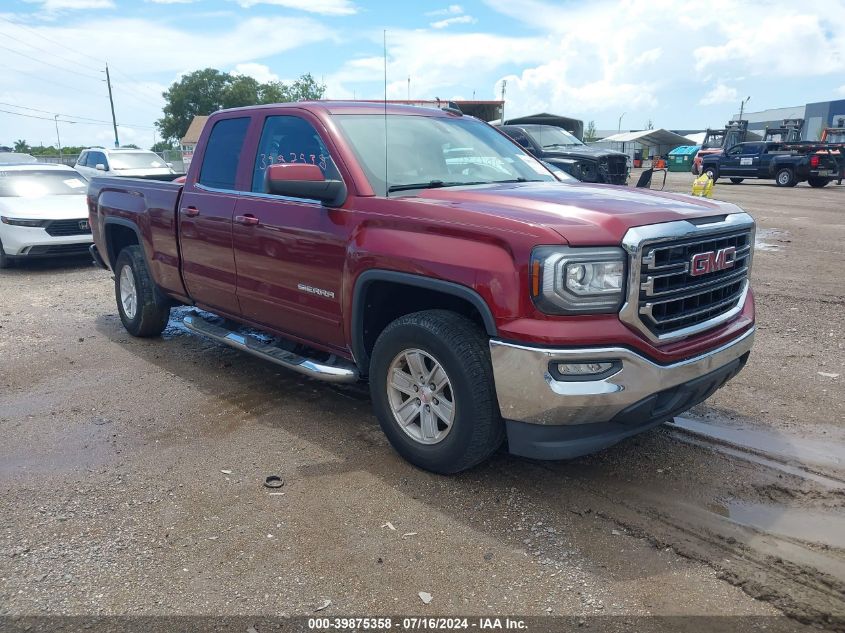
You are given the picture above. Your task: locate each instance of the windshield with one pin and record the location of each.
(136, 160)
(10, 158)
(41, 182)
(549, 136)
(426, 151)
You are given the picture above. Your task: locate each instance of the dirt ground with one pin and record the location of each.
(131, 473)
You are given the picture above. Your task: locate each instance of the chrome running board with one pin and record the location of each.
(332, 370)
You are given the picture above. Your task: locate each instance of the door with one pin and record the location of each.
(205, 219)
(729, 165)
(749, 160)
(290, 252)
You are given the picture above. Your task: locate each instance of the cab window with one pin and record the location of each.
(222, 153)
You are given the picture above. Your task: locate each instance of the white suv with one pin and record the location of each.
(43, 212)
(100, 161)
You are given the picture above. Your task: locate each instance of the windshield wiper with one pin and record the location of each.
(520, 179)
(560, 145)
(431, 184)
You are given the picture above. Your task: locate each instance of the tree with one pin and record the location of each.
(590, 135)
(163, 146)
(130, 146)
(204, 91)
(21, 146)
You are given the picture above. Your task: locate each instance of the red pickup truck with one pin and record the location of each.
(426, 252)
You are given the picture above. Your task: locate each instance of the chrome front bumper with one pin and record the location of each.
(528, 392)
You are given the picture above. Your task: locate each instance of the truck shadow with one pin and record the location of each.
(48, 265)
(586, 508)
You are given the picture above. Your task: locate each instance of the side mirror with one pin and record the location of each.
(170, 165)
(301, 180)
(100, 167)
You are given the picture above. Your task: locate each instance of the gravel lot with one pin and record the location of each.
(132, 473)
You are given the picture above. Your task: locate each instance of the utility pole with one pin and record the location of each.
(409, 87)
(619, 127)
(58, 138)
(111, 101)
(742, 106)
(504, 85)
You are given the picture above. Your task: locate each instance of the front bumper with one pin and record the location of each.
(24, 241)
(553, 419)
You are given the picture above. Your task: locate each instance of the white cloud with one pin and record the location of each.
(719, 94)
(460, 19)
(171, 1)
(841, 90)
(52, 6)
(259, 72)
(452, 9)
(323, 7)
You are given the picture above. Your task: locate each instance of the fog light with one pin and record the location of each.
(582, 369)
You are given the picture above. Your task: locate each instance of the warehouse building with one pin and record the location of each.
(817, 116)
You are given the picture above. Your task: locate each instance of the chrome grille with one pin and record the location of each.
(665, 301)
(58, 228)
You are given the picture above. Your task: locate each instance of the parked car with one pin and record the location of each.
(480, 297)
(555, 145)
(785, 163)
(98, 161)
(42, 212)
(16, 158)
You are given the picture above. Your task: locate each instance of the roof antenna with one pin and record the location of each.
(386, 185)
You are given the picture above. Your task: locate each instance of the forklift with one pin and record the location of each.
(717, 141)
(788, 132)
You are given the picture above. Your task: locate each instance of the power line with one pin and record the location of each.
(74, 116)
(45, 50)
(67, 120)
(41, 61)
(52, 82)
(52, 42)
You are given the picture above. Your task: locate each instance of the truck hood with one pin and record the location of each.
(66, 207)
(582, 214)
(579, 151)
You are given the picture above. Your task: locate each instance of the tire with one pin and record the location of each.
(785, 178)
(736, 181)
(461, 350)
(712, 171)
(819, 182)
(148, 315)
(5, 260)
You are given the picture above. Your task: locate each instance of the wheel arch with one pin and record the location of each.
(408, 292)
(118, 234)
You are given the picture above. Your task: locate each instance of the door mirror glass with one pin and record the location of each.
(302, 180)
(100, 167)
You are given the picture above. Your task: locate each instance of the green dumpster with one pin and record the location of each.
(680, 158)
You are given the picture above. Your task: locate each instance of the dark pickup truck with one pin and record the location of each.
(484, 300)
(558, 147)
(785, 163)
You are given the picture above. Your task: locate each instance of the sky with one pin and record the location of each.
(680, 65)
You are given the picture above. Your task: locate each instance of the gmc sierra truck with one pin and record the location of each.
(426, 252)
(785, 163)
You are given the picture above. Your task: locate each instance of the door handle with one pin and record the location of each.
(191, 212)
(247, 219)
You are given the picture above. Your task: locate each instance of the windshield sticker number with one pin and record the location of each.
(74, 183)
(292, 157)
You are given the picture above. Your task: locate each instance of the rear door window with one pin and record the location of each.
(222, 153)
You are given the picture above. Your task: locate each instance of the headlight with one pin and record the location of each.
(20, 221)
(566, 280)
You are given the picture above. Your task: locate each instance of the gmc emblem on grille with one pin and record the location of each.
(712, 261)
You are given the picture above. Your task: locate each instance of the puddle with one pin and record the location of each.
(826, 453)
(827, 482)
(816, 526)
(770, 239)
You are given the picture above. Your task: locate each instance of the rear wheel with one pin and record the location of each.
(142, 308)
(433, 393)
(819, 182)
(712, 172)
(736, 181)
(785, 178)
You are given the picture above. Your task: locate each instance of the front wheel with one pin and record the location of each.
(785, 178)
(433, 393)
(819, 182)
(736, 181)
(712, 173)
(143, 311)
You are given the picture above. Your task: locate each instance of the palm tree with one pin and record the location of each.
(21, 146)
